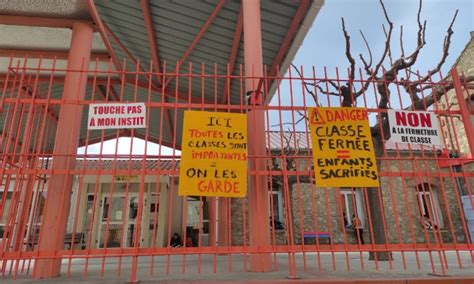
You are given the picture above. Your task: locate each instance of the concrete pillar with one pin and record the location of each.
(53, 225)
(258, 191)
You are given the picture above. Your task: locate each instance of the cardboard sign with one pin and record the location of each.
(116, 116)
(213, 154)
(414, 127)
(343, 151)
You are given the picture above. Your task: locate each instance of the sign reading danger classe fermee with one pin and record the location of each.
(213, 154)
(343, 151)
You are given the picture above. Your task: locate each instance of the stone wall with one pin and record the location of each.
(320, 209)
(455, 137)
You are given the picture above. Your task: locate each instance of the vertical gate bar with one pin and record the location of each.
(310, 162)
(222, 208)
(270, 180)
(78, 55)
(115, 161)
(136, 237)
(353, 191)
(287, 188)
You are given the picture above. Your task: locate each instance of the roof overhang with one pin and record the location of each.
(157, 35)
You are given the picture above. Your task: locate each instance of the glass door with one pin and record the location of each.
(114, 217)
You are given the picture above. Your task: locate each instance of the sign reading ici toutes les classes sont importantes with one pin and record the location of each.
(116, 116)
(213, 154)
(414, 127)
(342, 145)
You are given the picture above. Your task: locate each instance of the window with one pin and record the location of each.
(154, 209)
(196, 205)
(89, 209)
(352, 204)
(429, 204)
(276, 208)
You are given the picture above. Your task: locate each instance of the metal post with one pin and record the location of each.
(258, 191)
(53, 225)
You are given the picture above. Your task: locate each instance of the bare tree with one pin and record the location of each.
(384, 77)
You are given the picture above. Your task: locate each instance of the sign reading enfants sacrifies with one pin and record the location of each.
(213, 154)
(343, 151)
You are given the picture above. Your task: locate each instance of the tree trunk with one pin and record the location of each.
(376, 209)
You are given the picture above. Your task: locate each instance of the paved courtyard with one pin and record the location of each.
(311, 266)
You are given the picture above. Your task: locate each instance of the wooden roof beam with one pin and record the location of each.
(45, 53)
(47, 22)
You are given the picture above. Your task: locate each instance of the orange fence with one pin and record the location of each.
(120, 188)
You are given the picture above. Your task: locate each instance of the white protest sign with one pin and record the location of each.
(116, 116)
(414, 127)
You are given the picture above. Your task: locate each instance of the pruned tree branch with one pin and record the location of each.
(366, 65)
(348, 52)
(446, 45)
(402, 49)
(389, 47)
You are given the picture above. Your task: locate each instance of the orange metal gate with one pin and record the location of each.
(122, 199)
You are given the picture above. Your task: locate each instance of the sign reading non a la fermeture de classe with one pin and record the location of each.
(414, 127)
(213, 154)
(343, 151)
(116, 116)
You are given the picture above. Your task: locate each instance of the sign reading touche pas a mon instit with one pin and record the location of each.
(213, 154)
(116, 116)
(414, 127)
(343, 151)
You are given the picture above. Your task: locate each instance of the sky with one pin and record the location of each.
(324, 45)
